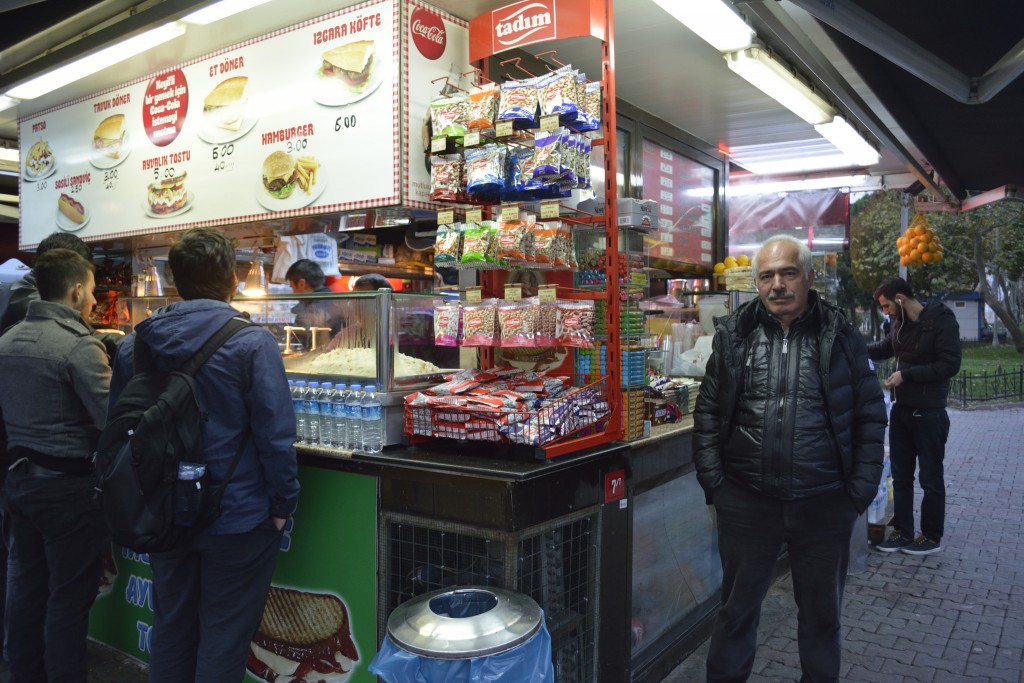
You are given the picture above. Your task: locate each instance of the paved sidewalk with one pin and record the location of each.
(957, 615)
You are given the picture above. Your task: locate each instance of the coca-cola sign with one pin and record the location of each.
(523, 23)
(428, 33)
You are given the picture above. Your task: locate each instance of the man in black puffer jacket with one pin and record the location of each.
(788, 440)
(925, 340)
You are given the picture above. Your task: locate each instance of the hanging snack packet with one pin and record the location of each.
(546, 332)
(546, 157)
(511, 241)
(575, 323)
(517, 321)
(545, 243)
(485, 169)
(591, 107)
(558, 93)
(476, 242)
(479, 323)
(450, 115)
(519, 103)
(446, 323)
(483, 106)
(446, 172)
(447, 244)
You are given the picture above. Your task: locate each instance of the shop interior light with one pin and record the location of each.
(256, 279)
(775, 79)
(9, 154)
(220, 10)
(713, 20)
(7, 102)
(848, 141)
(852, 181)
(97, 61)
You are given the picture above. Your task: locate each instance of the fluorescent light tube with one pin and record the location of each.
(796, 185)
(97, 61)
(7, 102)
(713, 20)
(774, 79)
(848, 141)
(220, 10)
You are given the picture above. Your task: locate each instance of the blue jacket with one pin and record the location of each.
(242, 387)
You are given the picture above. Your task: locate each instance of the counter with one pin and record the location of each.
(614, 543)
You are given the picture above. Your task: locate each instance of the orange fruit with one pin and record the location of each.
(920, 230)
(900, 241)
(719, 268)
(926, 257)
(904, 261)
(928, 236)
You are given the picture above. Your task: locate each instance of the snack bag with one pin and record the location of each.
(479, 323)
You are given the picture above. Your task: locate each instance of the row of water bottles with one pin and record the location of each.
(341, 417)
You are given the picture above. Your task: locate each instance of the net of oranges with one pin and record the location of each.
(919, 245)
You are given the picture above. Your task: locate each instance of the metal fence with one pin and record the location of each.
(988, 387)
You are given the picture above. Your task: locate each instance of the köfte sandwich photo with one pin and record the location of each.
(225, 105)
(352, 63)
(168, 195)
(279, 175)
(109, 136)
(302, 637)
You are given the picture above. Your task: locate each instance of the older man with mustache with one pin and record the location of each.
(788, 434)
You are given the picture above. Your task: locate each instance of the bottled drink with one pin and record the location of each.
(325, 417)
(298, 399)
(372, 421)
(353, 418)
(312, 414)
(339, 431)
(187, 491)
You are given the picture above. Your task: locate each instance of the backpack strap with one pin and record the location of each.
(227, 331)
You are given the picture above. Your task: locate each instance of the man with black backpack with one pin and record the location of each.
(209, 591)
(53, 400)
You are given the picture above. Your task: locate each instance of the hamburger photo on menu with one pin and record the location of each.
(109, 136)
(351, 63)
(224, 107)
(168, 195)
(282, 173)
(303, 637)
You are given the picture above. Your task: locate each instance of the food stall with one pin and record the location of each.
(573, 495)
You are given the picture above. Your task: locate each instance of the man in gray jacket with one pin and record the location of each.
(788, 433)
(53, 414)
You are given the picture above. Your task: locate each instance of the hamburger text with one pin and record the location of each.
(118, 101)
(283, 135)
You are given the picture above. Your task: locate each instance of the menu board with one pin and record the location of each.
(301, 121)
(683, 189)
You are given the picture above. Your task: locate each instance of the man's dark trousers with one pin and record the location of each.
(917, 438)
(54, 573)
(752, 530)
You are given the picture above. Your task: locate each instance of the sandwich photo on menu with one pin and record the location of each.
(109, 136)
(168, 195)
(351, 63)
(302, 637)
(224, 107)
(280, 175)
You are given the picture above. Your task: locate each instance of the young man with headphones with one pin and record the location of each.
(925, 341)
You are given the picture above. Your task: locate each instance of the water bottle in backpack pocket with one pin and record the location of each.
(189, 491)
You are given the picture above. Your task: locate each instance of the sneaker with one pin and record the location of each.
(922, 545)
(897, 541)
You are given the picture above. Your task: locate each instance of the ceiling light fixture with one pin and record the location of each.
(8, 154)
(848, 141)
(796, 185)
(220, 10)
(713, 20)
(7, 102)
(97, 61)
(758, 67)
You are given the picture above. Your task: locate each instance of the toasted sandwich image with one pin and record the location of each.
(302, 638)
(225, 105)
(351, 62)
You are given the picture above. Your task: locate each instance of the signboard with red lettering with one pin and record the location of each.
(298, 122)
(534, 21)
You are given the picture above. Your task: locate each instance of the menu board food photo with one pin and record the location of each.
(227, 137)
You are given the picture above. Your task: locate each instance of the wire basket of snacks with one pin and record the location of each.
(506, 405)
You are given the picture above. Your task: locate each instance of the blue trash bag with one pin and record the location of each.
(529, 662)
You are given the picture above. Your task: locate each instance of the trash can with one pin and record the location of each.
(473, 634)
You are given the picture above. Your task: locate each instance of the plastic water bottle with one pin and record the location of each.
(298, 403)
(372, 421)
(312, 414)
(353, 418)
(339, 427)
(186, 492)
(324, 399)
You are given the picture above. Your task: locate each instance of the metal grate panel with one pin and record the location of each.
(556, 564)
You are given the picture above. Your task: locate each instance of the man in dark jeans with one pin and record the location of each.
(788, 445)
(53, 415)
(925, 341)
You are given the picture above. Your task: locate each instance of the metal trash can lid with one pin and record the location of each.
(464, 623)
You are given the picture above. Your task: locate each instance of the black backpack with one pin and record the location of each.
(155, 425)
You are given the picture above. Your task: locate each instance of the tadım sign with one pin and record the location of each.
(534, 21)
